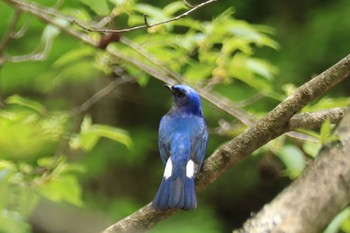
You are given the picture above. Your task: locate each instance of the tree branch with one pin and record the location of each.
(48, 15)
(167, 76)
(271, 126)
(146, 25)
(314, 120)
(10, 31)
(99, 95)
(312, 200)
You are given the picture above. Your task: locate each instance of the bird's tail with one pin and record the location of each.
(176, 192)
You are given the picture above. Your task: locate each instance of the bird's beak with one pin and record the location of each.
(169, 87)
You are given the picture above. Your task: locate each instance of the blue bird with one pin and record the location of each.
(183, 138)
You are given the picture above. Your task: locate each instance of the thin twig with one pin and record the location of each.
(268, 128)
(34, 56)
(271, 126)
(146, 25)
(163, 73)
(49, 15)
(10, 31)
(99, 95)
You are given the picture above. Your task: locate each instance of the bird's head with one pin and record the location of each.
(185, 99)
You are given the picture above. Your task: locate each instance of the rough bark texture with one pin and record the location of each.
(271, 126)
(143, 219)
(274, 124)
(313, 120)
(311, 201)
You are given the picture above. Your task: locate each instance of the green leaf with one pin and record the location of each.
(174, 7)
(62, 188)
(326, 135)
(311, 148)
(325, 131)
(336, 223)
(12, 221)
(81, 71)
(293, 159)
(262, 68)
(90, 135)
(113, 133)
(86, 124)
(198, 72)
(100, 7)
(73, 56)
(31, 104)
(50, 31)
(88, 140)
(154, 13)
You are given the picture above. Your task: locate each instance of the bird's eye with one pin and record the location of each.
(179, 93)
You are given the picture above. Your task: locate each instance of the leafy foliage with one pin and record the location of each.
(50, 151)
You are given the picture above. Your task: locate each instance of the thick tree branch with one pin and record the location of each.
(314, 120)
(311, 201)
(271, 126)
(162, 74)
(166, 76)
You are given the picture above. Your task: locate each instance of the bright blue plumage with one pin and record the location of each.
(182, 142)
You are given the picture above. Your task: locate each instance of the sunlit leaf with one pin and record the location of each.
(73, 56)
(326, 103)
(81, 71)
(293, 159)
(174, 7)
(88, 140)
(336, 223)
(51, 31)
(12, 221)
(91, 133)
(100, 7)
(262, 68)
(23, 137)
(16, 99)
(325, 131)
(86, 124)
(311, 148)
(198, 72)
(62, 188)
(326, 135)
(113, 133)
(154, 13)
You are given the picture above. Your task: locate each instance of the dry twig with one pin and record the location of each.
(146, 24)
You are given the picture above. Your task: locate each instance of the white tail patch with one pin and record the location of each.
(190, 169)
(168, 168)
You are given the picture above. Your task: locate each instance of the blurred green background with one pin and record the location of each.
(69, 169)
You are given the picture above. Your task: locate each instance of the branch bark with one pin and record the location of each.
(312, 200)
(271, 126)
(314, 120)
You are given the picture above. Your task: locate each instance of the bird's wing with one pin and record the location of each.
(163, 142)
(199, 142)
